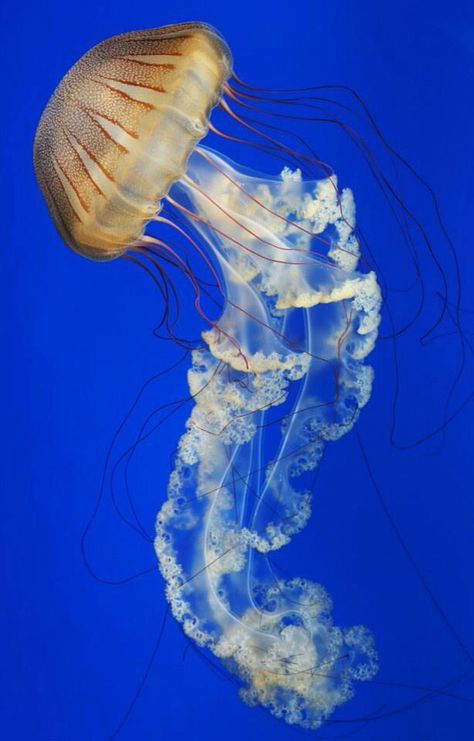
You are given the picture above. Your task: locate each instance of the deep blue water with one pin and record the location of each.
(77, 346)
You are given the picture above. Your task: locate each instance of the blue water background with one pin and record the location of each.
(77, 345)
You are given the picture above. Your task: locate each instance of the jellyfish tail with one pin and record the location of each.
(282, 373)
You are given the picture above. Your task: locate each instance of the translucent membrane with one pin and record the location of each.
(265, 406)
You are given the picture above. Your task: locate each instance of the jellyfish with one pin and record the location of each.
(280, 371)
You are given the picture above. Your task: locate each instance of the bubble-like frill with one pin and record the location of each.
(282, 373)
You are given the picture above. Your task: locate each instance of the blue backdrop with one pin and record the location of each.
(77, 345)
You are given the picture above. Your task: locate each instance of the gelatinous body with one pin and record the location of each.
(227, 504)
(119, 128)
(282, 371)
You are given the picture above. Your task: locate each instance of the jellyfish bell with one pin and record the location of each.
(119, 128)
